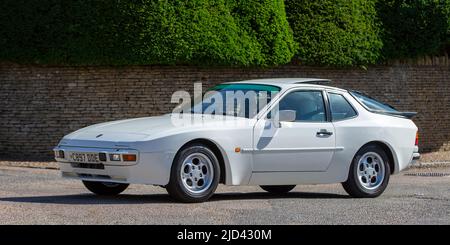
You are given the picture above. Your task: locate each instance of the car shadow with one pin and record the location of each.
(265, 195)
(91, 199)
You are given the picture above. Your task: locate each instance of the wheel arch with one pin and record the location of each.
(389, 152)
(218, 152)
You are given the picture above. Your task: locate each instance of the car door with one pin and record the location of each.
(304, 144)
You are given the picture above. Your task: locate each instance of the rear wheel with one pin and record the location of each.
(277, 189)
(105, 188)
(369, 173)
(195, 174)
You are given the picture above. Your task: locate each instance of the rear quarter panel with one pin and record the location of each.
(395, 132)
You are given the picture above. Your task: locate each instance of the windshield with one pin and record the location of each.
(371, 103)
(236, 99)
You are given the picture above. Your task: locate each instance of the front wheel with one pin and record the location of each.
(105, 188)
(195, 174)
(277, 189)
(369, 173)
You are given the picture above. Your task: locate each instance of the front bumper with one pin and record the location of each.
(149, 168)
(108, 151)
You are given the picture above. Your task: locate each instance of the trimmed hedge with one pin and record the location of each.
(221, 32)
(67, 32)
(447, 12)
(335, 32)
(413, 28)
(120, 32)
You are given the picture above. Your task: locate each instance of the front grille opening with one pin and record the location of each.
(94, 176)
(88, 165)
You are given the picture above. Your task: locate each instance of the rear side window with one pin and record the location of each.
(340, 107)
(371, 103)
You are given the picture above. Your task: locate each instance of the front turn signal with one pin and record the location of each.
(129, 157)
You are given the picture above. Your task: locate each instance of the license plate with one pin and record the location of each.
(84, 157)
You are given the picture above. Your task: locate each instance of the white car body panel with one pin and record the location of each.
(295, 144)
(282, 161)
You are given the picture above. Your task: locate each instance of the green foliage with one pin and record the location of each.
(447, 12)
(116, 32)
(221, 32)
(413, 28)
(335, 32)
(54, 31)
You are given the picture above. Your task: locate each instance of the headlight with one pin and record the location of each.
(59, 154)
(114, 157)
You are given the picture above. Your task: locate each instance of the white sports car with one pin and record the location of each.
(300, 133)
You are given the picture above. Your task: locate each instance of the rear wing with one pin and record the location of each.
(405, 114)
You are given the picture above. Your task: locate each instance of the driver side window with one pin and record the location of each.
(308, 105)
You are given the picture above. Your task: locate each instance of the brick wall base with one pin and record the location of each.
(40, 104)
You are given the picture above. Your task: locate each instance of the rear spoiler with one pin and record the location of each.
(406, 114)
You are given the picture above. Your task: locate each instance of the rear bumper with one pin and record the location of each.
(415, 157)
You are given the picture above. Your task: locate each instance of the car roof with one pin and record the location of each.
(286, 80)
(287, 83)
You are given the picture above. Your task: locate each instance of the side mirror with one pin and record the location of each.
(286, 116)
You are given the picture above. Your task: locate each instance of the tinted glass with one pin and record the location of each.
(308, 105)
(236, 99)
(340, 107)
(372, 103)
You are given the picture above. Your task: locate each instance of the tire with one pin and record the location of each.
(105, 188)
(195, 174)
(277, 189)
(369, 173)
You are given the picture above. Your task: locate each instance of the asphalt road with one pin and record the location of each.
(37, 196)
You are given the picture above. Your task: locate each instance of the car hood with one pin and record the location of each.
(139, 129)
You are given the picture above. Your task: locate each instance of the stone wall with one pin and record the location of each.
(40, 104)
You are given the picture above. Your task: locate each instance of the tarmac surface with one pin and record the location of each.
(41, 196)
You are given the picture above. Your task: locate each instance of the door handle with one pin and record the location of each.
(324, 132)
